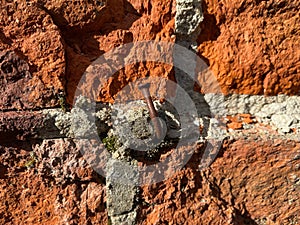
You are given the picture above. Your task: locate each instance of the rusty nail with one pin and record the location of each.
(144, 88)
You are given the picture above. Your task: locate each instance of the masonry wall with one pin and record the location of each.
(251, 48)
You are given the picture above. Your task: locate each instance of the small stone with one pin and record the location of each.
(235, 125)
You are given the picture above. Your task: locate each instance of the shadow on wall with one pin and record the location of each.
(243, 218)
(5, 39)
(210, 31)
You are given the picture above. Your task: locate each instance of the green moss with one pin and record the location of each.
(111, 143)
(63, 102)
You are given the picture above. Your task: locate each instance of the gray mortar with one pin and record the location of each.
(187, 28)
(82, 122)
(121, 180)
(121, 192)
(188, 18)
(131, 124)
(128, 123)
(128, 219)
(281, 112)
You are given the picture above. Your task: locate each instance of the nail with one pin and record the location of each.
(144, 88)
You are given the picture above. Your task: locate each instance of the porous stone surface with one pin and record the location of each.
(33, 196)
(91, 28)
(80, 16)
(82, 31)
(225, 193)
(252, 47)
(32, 48)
